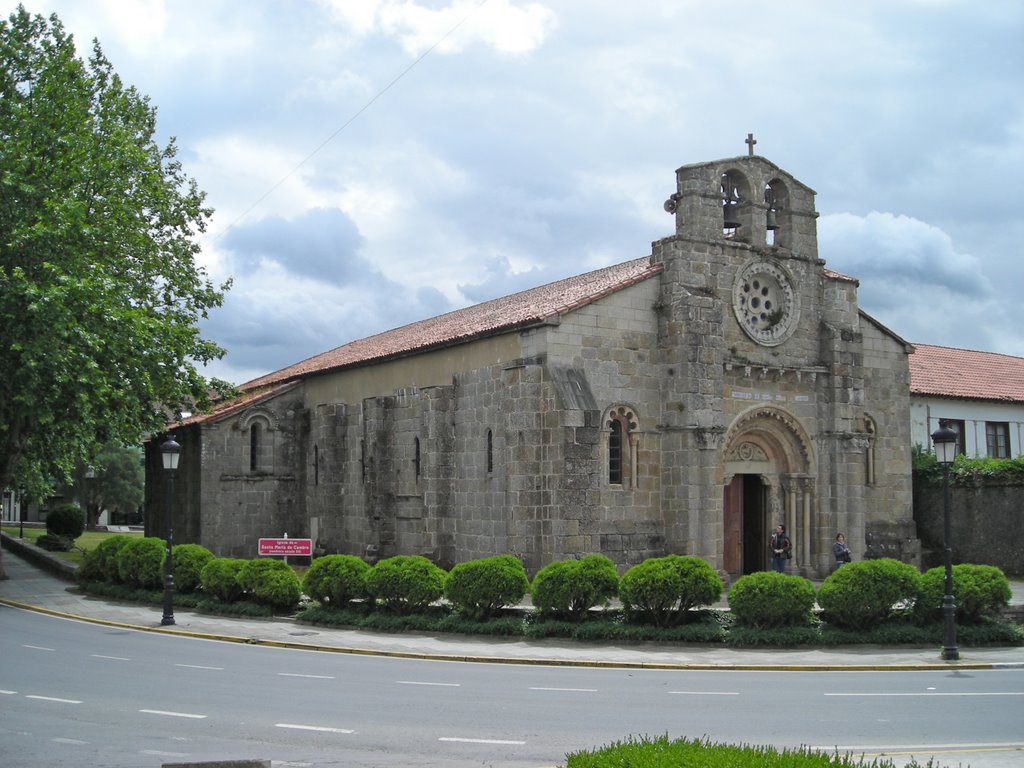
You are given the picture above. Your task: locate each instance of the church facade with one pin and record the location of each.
(685, 402)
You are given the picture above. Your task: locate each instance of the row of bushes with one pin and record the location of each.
(662, 591)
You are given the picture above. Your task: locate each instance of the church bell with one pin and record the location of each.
(771, 222)
(731, 219)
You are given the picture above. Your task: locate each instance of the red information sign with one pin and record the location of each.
(286, 547)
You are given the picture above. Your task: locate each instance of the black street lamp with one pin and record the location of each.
(170, 453)
(945, 440)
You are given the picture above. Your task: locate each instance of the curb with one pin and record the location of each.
(593, 663)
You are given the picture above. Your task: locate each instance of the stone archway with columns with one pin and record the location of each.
(770, 444)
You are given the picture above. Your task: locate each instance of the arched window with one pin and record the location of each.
(615, 452)
(256, 430)
(316, 464)
(623, 446)
(255, 445)
(869, 451)
(490, 452)
(416, 456)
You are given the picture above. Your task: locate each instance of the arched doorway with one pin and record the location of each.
(767, 473)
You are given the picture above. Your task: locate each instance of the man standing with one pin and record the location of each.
(781, 548)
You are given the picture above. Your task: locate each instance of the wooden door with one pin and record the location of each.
(732, 557)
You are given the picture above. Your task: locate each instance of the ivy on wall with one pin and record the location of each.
(965, 471)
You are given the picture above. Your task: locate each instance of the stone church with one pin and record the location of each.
(685, 402)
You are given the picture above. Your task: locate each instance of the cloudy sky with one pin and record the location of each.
(375, 162)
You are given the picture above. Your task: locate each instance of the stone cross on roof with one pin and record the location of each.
(750, 142)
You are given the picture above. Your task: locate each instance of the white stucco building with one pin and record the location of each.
(979, 394)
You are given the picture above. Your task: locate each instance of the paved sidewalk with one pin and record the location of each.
(32, 588)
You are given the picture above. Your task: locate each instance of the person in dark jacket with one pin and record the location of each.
(840, 550)
(781, 547)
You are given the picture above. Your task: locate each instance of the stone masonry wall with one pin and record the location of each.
(986, 522)
(240, 505)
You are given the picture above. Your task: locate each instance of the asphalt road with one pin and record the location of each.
(74, 694)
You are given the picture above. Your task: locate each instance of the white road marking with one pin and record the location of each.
(198, 666)
(706, 693)
(416, 682)
(313, 728)
(994, 693)
(314, 677)
(479, 741)
(53, 698)
(9, 693)
(172, 714)
(69, 741)
(38, 648)
(569, 690)
(112, 658)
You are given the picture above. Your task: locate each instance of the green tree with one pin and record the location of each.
(100, 293)
(114, 481)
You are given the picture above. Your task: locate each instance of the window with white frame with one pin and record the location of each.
(997, 439)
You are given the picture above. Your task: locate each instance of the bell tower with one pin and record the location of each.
(748, 200)
(738, 320)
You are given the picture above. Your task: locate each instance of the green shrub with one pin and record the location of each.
(188, 561)
(271, 582)
(405, 583)
(100, 564)
(768, 599)
(67, 520)
(336, 579)
(978, 591)
(479, 589)
(219, 578)
(864, 594)
(140, 562)
(570, 588)
(662, 590)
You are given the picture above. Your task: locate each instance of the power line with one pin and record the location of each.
(351, 120)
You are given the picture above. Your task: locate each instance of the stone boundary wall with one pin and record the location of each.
(59, 567)
(986, 522)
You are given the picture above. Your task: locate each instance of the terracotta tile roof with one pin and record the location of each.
(507, 313)
(966, 374)
(831, 273)
(223, 408)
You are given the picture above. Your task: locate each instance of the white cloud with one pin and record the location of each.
(530, 146)
(504, 26)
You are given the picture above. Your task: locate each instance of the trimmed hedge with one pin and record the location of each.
(100, 564)
(405, 583)
(479, 589)
(219, 578)
(768, 599)
(978, 591)
(864, 594)
(189, 561)
(271, 582)
(336, 580)
(570, 588)
(662, 590)
(140, 563)
(67, 520)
